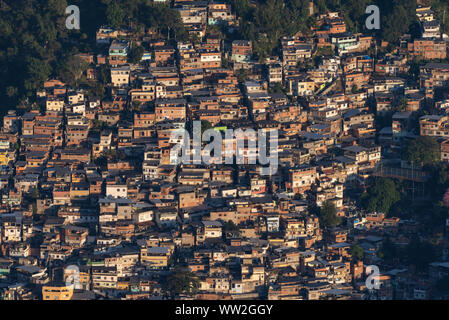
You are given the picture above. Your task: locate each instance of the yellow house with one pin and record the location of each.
(79, 190)
(156, 257)
(54, 105)
(123, 284)
(6, 157)
(76, 177)
(276, 241)
(57, 292)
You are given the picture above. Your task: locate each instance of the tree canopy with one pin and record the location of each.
(135, 54)
(420, 253)
(380, 196)
(388, 251)
(423, 150)
(357, 252)
(182, 281)
(36, 44)
(33, 38)
(328, 215)
(71, 70)
(269, 19)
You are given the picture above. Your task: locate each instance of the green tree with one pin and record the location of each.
(398, 20)
(276, 88)
(439, 180)
(35, 194)
(205, 125)
(242, 75)
(104, 74)
(388, 251)
(423, 150)
(297, 196)
(357, 252)
(115, 14)
(165, 20)
(381, 196)
(182, 281)
(401, 106)
(97, 90)
(135, 54)
(72, 70)
(420, 253)
(328, 215)
(38, 71)
(230, 226)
